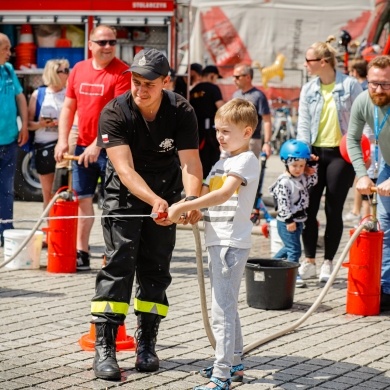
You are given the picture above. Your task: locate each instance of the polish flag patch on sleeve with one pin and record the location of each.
(105, 138)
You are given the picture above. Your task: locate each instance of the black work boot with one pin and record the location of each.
(146, 336)
(105, 365)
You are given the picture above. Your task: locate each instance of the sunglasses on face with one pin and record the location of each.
(313, 59)
(65, 71)
(103, 42)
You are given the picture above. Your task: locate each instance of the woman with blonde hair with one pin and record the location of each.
(43, 112)
(324, 110)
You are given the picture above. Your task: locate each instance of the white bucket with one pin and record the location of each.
(276, 241)
(29, 257)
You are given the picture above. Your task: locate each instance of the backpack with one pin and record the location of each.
(29, 145)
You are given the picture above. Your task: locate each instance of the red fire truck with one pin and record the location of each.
(44, 29)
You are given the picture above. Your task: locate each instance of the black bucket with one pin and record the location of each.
(270, 283)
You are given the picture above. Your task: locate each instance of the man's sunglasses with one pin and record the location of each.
(65, 71)
(103, 42)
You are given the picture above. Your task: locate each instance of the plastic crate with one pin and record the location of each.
(72, 54)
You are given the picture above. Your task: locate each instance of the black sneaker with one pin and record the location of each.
(82, 261)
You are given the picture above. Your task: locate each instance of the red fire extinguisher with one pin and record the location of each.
(364, 274)
(365, 266)
(62, 235)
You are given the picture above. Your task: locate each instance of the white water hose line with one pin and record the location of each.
(199, 262)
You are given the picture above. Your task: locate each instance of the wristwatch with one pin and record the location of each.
(192, 197)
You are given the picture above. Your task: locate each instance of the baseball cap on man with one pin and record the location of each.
(211, 69)
(197, 68)
(150, 63)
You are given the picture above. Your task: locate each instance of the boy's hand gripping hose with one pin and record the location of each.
(369, 225)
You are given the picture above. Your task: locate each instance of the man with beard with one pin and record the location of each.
(373, 107)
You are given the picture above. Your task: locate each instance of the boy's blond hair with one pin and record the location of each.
(238, 112)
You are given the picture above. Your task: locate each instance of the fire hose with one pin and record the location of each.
(370, 225)
(66, 195)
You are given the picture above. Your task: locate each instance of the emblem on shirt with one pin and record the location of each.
(105, 138)
(167, 144)
(142, 61)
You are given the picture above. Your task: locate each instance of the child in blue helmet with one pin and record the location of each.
(291, 195)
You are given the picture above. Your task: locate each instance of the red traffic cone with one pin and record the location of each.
(26, 34)
(123, 342)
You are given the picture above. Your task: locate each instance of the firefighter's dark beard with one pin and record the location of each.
(380, 99)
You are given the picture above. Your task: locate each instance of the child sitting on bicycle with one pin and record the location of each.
(290, 192)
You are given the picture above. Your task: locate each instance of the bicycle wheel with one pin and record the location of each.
(280, 139)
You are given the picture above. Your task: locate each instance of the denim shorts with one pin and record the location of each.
(85, 179)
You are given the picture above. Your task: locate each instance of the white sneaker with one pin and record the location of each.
(326, 270)
(299, 283)
(307, 270)
(351, 217)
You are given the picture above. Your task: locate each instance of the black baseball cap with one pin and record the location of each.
(211, 69)
(150, 63)
(197, 68)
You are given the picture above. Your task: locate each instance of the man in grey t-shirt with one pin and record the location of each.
(243, 76)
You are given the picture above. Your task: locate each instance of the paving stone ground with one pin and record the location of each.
(43, 315)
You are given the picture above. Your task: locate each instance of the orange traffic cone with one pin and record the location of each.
(26, 49)
(123, 342)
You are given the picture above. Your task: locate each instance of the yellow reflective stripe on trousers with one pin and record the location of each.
(150, 307)
(109, 307)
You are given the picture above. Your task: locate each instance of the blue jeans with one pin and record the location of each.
(84, 179)
(226, 266)
(292, 249)
(384, 219)
(7, 173)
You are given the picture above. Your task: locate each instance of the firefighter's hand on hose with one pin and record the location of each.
(161, 206)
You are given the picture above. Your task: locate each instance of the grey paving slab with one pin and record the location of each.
(43, 315)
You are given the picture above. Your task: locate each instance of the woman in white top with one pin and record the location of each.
(44, 110)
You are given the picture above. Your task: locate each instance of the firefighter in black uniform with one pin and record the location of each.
(152, 145)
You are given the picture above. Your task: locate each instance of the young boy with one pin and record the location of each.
(291, 196)
(227, 197)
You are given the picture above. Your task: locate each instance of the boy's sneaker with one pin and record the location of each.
(300, 283)
(326, 270)
(307, 270)
(82, 261)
